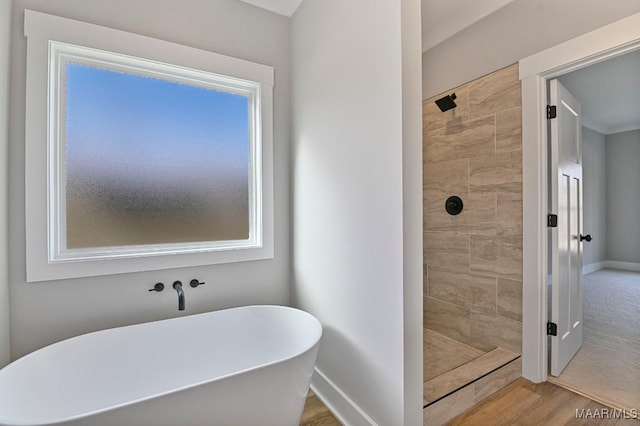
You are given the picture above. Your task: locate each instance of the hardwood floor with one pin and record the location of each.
(607, 367)
(526, 403)
(316, 414)
(520, 403)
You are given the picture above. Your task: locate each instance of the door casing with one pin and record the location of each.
(608, 42)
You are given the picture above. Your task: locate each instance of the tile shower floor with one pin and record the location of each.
(450, 365)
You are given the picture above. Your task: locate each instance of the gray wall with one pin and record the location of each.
(594, 195)
(349, 118)
(516, 31)
(623, 197)
(42, 313)
(5, 44)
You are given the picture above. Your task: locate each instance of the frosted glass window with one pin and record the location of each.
(151, 161)
(142, 154)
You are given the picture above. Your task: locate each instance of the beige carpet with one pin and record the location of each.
(612, 307)
(607, 367)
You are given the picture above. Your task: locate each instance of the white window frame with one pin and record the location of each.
(52, 42)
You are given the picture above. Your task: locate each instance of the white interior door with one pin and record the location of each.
(566, 245)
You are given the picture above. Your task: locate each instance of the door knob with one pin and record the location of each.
(585, 237)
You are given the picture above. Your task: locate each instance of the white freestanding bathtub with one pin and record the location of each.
(243, 366)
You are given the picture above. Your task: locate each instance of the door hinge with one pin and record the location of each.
(552, 329)
(552, 220)
(551, 111)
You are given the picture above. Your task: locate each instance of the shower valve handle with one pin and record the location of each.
(157, 287)
(195, 283)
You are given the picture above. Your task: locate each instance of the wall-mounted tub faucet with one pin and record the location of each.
(177, 285)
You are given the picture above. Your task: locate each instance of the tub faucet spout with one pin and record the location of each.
(178, 287)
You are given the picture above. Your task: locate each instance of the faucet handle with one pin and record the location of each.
(157, 287)
(195, 283)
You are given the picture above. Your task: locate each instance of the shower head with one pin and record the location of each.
(446, 103)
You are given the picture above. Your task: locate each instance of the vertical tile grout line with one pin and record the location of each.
(495, 132)
(495, 152)
(469, 195)
(497, 277)
(425, 284)
(470, 288)
(469, 236)
(468, 101)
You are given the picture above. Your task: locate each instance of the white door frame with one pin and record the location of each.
(596, 46)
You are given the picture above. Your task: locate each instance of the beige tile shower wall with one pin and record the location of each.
(473, 261)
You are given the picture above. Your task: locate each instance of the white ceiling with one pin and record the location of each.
(609, 93)
(441, 19)
(281, 7)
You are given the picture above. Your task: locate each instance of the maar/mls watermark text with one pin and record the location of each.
(606, 413)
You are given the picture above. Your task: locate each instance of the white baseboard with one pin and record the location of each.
(625, 266)
(593, 267)
(345, 410)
